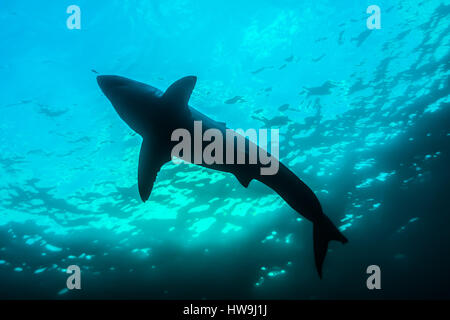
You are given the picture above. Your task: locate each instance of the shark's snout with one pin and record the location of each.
(100, 80)
(110, 83)
(103, 83)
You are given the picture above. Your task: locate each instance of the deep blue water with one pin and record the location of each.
(367, 127)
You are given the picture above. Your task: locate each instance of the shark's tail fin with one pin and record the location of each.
(324, 231)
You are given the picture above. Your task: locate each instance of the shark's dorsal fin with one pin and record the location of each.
(151, 159)
(180, 91)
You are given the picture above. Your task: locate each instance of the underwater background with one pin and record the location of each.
(364, 120)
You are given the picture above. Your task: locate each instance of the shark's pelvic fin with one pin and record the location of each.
(243, 179)
(180, 91)
(151, 159)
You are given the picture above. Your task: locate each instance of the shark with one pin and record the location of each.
(154, 115)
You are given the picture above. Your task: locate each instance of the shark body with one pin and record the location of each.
(154, 115)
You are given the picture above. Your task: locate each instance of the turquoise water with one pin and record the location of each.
(363, 118)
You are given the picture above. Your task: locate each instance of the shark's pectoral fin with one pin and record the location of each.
(151, 159)
(180, 91)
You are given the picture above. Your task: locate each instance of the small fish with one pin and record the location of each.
(289, 59)
(324, 89)
(361, 38)
(49, 112)
(318, 58)
(340, 40)
(284, 107)
(234, 100)
(18, 103)
(94, 71)
(277, 121)
(261, 69)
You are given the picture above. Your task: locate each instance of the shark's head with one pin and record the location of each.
(119, 89)
(134, 101)
(146, 108)
(109, 83)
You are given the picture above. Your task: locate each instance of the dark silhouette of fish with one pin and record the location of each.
(261, 69)
(155, 115)
(283, 107)
(324, 89)
(18, 103)
(49, 112)
(318, 58)
(321, 39)
(341, 37)
(234, 100)
(277, 121)
(289, 59)
(362, 37)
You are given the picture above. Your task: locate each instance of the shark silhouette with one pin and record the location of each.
(155, 115)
